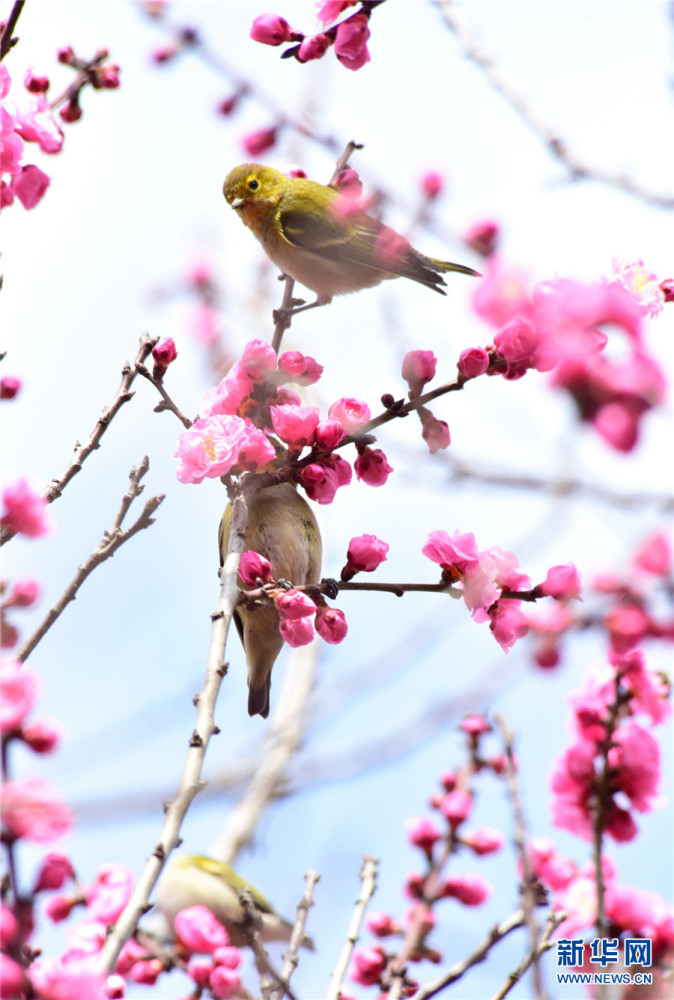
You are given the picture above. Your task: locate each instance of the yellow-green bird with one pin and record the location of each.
(321, 239)
(192, 880)
(282, 528)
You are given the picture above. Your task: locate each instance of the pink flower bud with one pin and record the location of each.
(146, 972)
(435, 433)
(165, 54)
(297, 632)
(351, 42)
(115, 987)
(229, 956)
(227, 106)
(418, 369)
(382, 925)
(286, 397)
(30, 186)
(329, 10)
(432, 184)
(483, 237)
(498, 764)
(256, 143)
(131, 953)
(54, 871)
(423, 834)
(32, 809)
(365, 553)
(415, 885)
(475, 725)
(320, 482)
(471, 890)
(254, 567)
(35, 84)
(562, 583)
(224, 982)
(23, 594)
(107, 77)
(199, 930)
(300, 367)
(313, 47)
(456, 807)
(348, 183)
(258, 359)
(473, 362)
(12, 977)
(65, 55)
(484, 841)
(70, 112)
(368, 966)
(667, 289)
(654, 555)
(293, 604)
(199, 970)
(42, 736)
(371, 466)
(331, 625)
(518, 341)
(164, 352)
(270, 29)
(328, 434)
(448, 780)
(18, 693)
(9, 928)
(420, 912)
(9, 386)
(350, 413)
(296, 425)
(59, 908)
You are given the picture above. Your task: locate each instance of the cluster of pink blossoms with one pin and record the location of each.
(438, 842)
(486, 576)
(252, 403)
(559, 326)
(348, 39)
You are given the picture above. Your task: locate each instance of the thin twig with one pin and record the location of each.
(601, 800)
(190, 781)
(529, 899)
(6, 41)
(252, 924)
(55, 488)
(106, 548)
(553, 922)
(496, 934)
(550, 136)
(290, 956)
(283, 315)
(368, 884)
(166, 403)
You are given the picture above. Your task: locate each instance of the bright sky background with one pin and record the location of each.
(135, 201)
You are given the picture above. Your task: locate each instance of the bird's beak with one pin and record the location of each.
(237, 202)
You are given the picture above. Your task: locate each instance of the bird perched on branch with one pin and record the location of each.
(323, 239)
(282, 528)
(192, 880)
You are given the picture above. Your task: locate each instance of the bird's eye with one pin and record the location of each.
(253, 184)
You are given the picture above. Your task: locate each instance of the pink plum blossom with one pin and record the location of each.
(469, 889)
(12, 977)
(368, 966)
(422, 833)
(37, 124)
(258, 359)
(33, 809)
(504, 294)
(19, 689)
(365, 554)
(42, 736)
(270, 29)
(25, 511)
(10, 386)
(224, 982)
(382, 924)
(164, 352)
(654, 555)
(229, 956)
(331, 624)
(328, 434)
(313, 47)
(372, 467)
(199, 930)
(320, 482)
(486, 840)
(147, 971)
(109, 893)
(55, 870)
(300, 368)
(351, 42)
(199, 970)
(214, 445)
(419, 368)
(329, 10)
(254, 567)
(456, 807)
(562, 583)
(473, 362)
(23, 594)
(256, 143)
(297, 631)
(435, 433)
(30, 185)
(296, 425)
(432, 184)
(293, 604)
(350, 413)
(483, 237)
(640, 283)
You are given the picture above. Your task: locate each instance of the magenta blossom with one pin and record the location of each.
(351, 42)
(109, 893)
(372, 467)
(474, 361)
(368, 966)
(300, 368)
(456, 807)
(213, 446)
(54, 871)
(486, 840)
(469, 889)
(331, 624)
(293, 604)
(296, 425)
(256, 143)
(258, 359)
(313, 47)
(365, 554)
(199, 930)
(328, 434)
(31, 808)
(254, 567)
(422, 833)
(435, 433)
(270, 29)
(297, 631)
(562, 583)
(25, 511)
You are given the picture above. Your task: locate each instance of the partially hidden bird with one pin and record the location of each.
(193, 880)
(282, 528)
(322, 238)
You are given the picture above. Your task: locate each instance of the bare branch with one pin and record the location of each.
(106, 548)
(291, 957)
(556, 145)
(6, 40)
(82, 452)
(166, 403)
(553, 922)
(368, 884)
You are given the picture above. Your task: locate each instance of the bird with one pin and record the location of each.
(282, 528)
(323, 239)
(192, 880)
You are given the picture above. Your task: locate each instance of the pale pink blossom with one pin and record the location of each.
(229, 394)
(518, 341)
(146, 971)
(256, 143)
(331, 624)
(635, 761)
(11, 143)
(508, 623)
(254, 567)
(5, 81)
(329, 10)
(469, 889)
(25, 511)
(199, 970)
(504, 294)
(368, 966)
(473, 362)
(42, 735)
(454, 553)
(297, 632)
(456, 807)
(37, 124)
(224, 982)
(229, 956)
(199, 930)
(483, 237)
(296, 425)
(350, 413)
(422, 833)
(109, 893)
(300, 368)
(30, 185)
(627, 625)
(649, 689)
(419, 368)
(640, 283)
(270, 29)
(365, 553)
(214, 445)
(486, 840)
(33, 809)
(654, 555)
(58, 908)
(372, 467)
(351, 42)
(71, 976)
(435, 433)
(293, 604)
(23, 594)
(562, 583)
(258, 359)
(19, 688)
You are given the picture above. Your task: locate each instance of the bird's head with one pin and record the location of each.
(252, 185)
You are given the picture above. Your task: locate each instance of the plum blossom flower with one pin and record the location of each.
(382, 924)
(313, 47)
(419, 368)
(328, 434)
(224, 982)
(350, 413)
(254, 567)
(562, 583)
(432, 184)
(18, 693)
(300, 368)
(296, 425)
(256, 143)
(214, 445)
(434, 432)
(258, 359)
(372, 467)
(473, 362)
(642, 284)
(297, 631)
(483, 237)
(422, 833)
(199, 930)
(31, 808)
(55, 870)
(351, 42)
(368, 966)
(365, 554)
(486, 840)
(469, 889)
(654, 555)
(456, 807)
(270, 29)
(293, 605)
(10, 386)
(331, 624)
(30, 185)
(109, 893)
(329, 10)
(25, 511)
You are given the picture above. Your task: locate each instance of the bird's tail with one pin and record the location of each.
(445, 265)
(258, 698)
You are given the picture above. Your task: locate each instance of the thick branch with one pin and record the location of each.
(111, 541)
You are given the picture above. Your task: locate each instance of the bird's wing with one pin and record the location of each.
(332, 235)
(236, 882)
